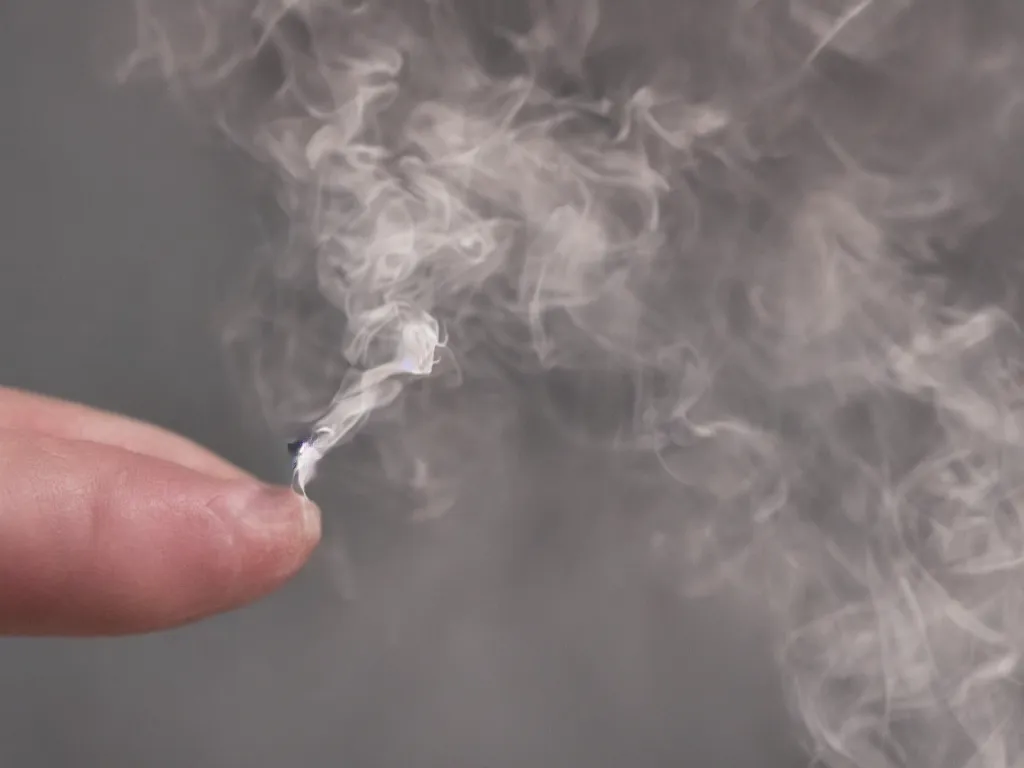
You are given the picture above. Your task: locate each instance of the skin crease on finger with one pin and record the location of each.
(98, 540)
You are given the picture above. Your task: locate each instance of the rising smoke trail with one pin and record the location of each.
(772, 224)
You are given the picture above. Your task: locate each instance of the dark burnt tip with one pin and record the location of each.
(294, 446)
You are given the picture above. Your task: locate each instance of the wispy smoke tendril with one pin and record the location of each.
(781, 223)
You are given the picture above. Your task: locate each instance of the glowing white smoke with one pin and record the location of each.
(756, 213)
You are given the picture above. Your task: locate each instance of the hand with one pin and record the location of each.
(110, 526)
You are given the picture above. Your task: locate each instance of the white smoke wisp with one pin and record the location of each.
(775, 222)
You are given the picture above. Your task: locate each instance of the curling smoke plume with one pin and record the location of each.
(765, 231)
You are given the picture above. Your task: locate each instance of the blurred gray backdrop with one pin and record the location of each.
(537, 641)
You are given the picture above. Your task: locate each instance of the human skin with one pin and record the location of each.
(110, 526)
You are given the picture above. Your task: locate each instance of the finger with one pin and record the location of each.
(26, 412)
(96, 540)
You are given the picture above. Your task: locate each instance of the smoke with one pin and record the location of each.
(753, 248)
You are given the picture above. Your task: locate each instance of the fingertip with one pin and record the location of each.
(248, 541)
(99, 541)
(277, 511)
(274, 532)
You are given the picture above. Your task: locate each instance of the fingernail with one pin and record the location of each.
(312, 518)
(278, 512)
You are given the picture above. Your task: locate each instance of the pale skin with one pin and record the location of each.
(110, 526)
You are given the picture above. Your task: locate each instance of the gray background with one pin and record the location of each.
(119, 230)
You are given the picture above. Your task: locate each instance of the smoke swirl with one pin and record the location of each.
(770, 234)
